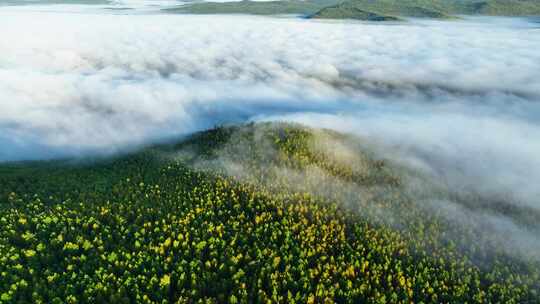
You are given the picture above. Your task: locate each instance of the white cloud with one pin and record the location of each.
(464, 93)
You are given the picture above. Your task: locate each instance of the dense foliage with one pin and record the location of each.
(259, 213)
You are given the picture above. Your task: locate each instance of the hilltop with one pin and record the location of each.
(392, 8)
(253, 7)
(265, 212)
(350, 11)
(428, 8)
(285, 7)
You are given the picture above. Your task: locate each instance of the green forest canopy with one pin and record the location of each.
(266, 213)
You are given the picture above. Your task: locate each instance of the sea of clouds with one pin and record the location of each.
(96, 5)
(459, 99)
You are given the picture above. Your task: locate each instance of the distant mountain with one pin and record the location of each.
(441, 8)
(352, 9)
(501, 8)
(421, 12)
(284, 7)
(348, 10)
(369, 9)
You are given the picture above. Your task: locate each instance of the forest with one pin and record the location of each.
(257, 213)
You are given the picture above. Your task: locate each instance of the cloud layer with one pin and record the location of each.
(461, 99)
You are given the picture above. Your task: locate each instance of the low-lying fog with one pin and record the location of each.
(86, 6)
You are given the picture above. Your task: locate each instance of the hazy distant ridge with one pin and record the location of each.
(378, 10)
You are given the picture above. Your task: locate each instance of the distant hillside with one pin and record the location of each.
(501, 8)
(438, 8)
(421, 12)
(349, 11)
(255, 7)
(366, 9)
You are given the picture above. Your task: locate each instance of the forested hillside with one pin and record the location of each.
(258, 213)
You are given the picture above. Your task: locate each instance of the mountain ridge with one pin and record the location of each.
(377, 10)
